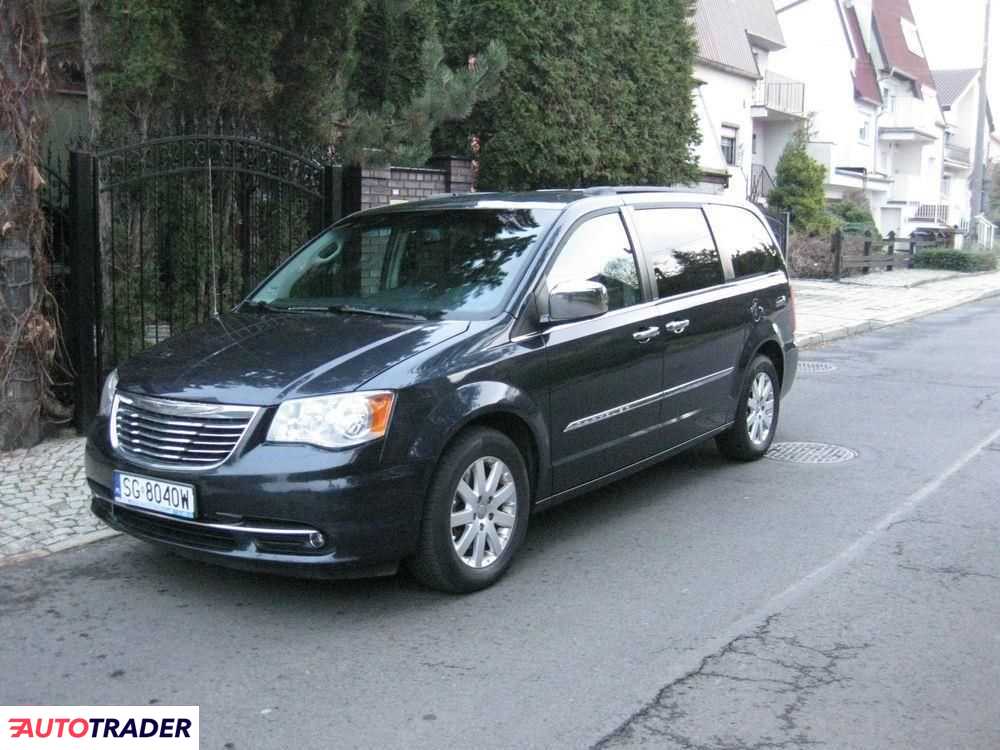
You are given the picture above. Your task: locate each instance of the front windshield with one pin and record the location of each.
(458, 263)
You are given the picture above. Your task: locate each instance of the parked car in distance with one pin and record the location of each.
(943, 236)
(418, 379)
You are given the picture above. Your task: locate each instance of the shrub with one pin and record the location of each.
(955, 260)
(853, 209)
(810, 256)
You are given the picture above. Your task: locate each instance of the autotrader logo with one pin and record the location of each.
(87, 727)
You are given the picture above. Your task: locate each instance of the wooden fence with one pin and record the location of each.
(876, 252)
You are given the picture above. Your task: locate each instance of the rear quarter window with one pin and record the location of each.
(744, 239)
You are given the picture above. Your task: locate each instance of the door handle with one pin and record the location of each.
(646, 334)
(781, 301)
(677, 326)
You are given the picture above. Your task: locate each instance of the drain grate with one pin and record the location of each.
(815, 365)
(811, 453)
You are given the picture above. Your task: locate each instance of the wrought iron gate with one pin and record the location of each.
(171, 230)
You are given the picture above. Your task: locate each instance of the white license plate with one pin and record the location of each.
(154, 494)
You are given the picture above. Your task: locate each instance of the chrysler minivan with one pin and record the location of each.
(416, 381)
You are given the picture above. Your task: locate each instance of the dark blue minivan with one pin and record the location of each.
(417, 380)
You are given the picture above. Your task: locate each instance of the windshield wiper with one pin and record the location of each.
(373, 311)
(346, 309)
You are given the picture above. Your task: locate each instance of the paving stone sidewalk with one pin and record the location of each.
(44, 505)
(828, 310)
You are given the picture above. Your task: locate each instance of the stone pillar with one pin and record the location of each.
(459, 177)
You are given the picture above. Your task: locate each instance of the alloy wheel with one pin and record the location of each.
(760, 409)
(483, 512)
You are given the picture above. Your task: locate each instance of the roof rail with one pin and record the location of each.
(626, 189)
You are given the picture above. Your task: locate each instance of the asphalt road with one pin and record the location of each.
(699, 604)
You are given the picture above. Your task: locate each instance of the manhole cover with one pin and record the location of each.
(814, 365)
(811, 453)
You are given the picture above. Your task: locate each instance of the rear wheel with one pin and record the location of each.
(475, 515)
(756, 416)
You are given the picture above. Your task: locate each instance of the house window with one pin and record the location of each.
(912, 37)
(888, 100)
(729, 144)
(753, 144)
(863, 131)
(946, 186)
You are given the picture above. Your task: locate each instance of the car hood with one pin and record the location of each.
(263, 358)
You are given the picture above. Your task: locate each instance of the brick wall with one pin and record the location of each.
(370, 187)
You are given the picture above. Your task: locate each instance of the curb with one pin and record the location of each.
(813, 340)
(66, 544)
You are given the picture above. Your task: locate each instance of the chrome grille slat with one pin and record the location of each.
(178, 434)
(144, 424)
(129, 430)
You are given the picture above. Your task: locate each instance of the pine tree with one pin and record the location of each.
(798, 189)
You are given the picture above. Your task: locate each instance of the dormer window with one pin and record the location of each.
(911, 37)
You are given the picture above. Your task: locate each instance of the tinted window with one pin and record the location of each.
(599, 250)
(742, 236)
(438, 263)
(680, 249)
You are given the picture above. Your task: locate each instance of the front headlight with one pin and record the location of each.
(333, 421)
(108, 394)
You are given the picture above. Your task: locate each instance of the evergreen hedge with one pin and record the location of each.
(596, 92)
(955, 260)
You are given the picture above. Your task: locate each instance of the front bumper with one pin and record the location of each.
(262, 509)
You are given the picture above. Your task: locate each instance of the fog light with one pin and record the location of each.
(316, 540)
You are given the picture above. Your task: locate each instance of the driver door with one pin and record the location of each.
(606, 371)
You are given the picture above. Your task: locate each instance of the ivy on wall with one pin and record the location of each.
(28, 331)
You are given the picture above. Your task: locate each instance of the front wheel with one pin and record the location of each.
(751, 435)
(476, 513)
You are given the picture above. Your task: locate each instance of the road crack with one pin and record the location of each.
(761, 669)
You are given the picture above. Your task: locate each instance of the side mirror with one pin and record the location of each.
(576, 300)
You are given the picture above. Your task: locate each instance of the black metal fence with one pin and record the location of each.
(172, 230)
(54, 197)
(779, 223)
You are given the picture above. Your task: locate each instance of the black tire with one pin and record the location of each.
(436, 562)
(736, 443)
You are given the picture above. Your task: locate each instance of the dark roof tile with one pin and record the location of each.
(888, 16)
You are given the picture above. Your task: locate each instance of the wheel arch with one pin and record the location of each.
(500, 407)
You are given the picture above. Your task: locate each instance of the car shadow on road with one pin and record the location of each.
(127, 568)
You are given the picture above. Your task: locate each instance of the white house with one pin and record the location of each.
(877, 125)
(746, 112)
(958, 93)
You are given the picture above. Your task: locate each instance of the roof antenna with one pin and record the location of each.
(211, 246)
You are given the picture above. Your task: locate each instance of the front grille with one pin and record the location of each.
(180, 434)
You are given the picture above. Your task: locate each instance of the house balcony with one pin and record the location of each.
(957, 157)
(915, 188)
(779, 98)
(909, 119)
(932, 212)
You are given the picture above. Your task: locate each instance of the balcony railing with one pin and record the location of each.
(781, 94)
(910, 113)
(761, 183)
(931, 212)
(958, 153)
